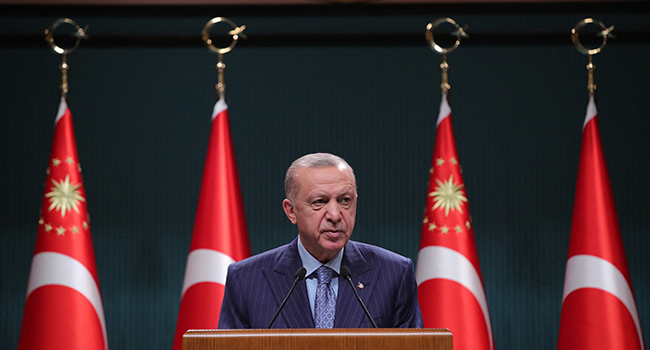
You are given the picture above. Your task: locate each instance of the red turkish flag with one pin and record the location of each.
(64, 306)
(598, 307)
(220, 235)
(450, 286)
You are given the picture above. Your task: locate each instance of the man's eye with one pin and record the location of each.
(345, 200)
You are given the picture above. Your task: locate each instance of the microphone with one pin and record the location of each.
(345, 273)
(300, 274)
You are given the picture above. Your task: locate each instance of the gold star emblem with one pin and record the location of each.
(85, 225)
(440, 161)
(468, 225)
(448, 196)
(444, 229)
(79, 167)
(60, 231)
(41, 221)
(65, 196)
(56, 162)
(75, 230)
(47, 171)
(69, 160)
(430, 170)
(458, 229)
(48, 227)
(453, 161)
(432, 226)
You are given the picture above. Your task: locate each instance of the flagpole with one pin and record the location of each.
(63, 306)
(220, 235)
(605, 33)
(236, 32)
(79, 33)
(450, 286)
(598, 305)
(444, 66)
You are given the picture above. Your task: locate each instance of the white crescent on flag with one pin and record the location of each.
(206, 265)
(589, 271)
(50, 268)
(445, 263)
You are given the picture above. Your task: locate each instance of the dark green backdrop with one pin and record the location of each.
(142, 111)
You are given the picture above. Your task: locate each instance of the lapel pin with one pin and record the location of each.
(360, 285)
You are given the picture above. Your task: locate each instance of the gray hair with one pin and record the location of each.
(314, 160)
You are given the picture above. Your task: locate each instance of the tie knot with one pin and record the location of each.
(324, 274)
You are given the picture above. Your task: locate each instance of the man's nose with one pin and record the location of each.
(333, 211)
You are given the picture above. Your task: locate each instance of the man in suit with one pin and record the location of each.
(321, 200)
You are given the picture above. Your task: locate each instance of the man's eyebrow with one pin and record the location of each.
(349, 193)
(317, 195)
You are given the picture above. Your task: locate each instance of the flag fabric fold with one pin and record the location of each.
(450, 285)
(220, 235)
(63, 309)
(598, 306)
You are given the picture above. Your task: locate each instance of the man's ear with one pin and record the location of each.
(289, 209)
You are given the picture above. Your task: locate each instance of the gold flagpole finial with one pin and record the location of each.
(605, 32)
(458, 33)
(236, 33)
(79, 33)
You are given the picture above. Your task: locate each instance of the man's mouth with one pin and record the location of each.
(332, 233)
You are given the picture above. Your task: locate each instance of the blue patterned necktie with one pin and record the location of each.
(325, 299)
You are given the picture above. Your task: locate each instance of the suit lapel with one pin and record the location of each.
(349, 314)
(297, 312)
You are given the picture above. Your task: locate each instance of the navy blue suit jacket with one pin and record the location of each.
(255, 288)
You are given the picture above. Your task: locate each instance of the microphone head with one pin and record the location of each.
(345, 272)
(300, 273)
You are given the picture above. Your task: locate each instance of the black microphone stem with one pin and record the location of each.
(345, 272)
(300, 274)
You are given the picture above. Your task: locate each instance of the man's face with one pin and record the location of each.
(324, 209)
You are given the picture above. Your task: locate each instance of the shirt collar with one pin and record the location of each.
(311, 264)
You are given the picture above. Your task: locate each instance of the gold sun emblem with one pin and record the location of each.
(448, 196)
(65, 196)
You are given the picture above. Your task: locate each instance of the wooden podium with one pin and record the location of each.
(321, 339)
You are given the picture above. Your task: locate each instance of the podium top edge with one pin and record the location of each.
(320, 332)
